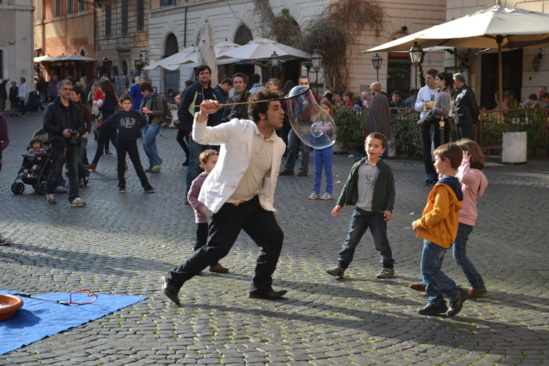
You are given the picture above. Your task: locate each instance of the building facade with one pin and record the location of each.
(16, 42)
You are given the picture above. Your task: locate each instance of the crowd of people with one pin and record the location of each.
(233, 158)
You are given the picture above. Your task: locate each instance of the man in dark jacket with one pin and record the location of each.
(65, 125)
(190, 102)
(467, 112)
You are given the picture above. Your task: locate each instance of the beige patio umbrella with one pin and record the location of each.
(496, 27)
(263, 49)
(206, 51)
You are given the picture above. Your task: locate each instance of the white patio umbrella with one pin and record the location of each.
(262, 49)
(206, 51)
(182, 56)
(496, 27)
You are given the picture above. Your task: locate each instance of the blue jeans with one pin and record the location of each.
(460, 255)
(293, 152)
(360, 222)
(193, 169)
(323, 159)
(438, 283)
(56, 170)
(149, 144)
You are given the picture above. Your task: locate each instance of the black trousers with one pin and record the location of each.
(107, 132)
(426, 140)
(131, 148)
(224, 227)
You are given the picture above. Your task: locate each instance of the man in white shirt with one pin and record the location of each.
(431, 134)
(239, 192)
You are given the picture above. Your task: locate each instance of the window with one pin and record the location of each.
(81, 5)
(108, 20)
(140, 16)
(70, 6)
(168, 2)
(57, 8)
(124, 16)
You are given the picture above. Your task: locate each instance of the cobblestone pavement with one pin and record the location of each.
(121, 244)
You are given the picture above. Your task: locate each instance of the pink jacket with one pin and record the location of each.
(192, 196)
(473, 184)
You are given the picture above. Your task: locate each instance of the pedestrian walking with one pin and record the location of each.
(323, 161)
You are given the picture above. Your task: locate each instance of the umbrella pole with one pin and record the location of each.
(499, 39)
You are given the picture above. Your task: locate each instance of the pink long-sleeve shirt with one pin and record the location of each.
(473, 184)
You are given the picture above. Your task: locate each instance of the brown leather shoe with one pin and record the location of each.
(301, 174)
(286, 172)
(417, 286)
(218, 268)
(475, 293)
(269, 295)
(91, 166)
(170, 291)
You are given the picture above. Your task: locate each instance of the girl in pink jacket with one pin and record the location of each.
(473, 184)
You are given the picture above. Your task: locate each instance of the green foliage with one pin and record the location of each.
(349, 128)
(531, 120)
(405, 132)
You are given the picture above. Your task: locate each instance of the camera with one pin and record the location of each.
(73, 133)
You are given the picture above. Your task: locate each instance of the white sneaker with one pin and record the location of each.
(77, 202)
(4, 241)
(386, 273)
(51, 198)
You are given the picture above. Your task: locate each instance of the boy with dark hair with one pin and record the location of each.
(129, 123)
(370, 187)
(438, 227)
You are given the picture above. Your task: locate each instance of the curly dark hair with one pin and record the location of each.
(255, 108)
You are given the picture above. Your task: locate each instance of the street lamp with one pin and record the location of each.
(416, 53)
(316, 60)
(275, 61)
(377, 60)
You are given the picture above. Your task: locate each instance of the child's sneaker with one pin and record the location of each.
(327, 196)
(51, 199)
(313, 196)
(4, 241)
(122, 190)
(336, 272)
(77, 202)
(386, 273)
(149, 189)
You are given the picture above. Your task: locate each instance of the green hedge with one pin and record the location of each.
(405, 133)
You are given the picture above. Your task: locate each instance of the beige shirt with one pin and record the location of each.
(259, 169)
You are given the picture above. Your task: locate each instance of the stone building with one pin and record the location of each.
(16, 42)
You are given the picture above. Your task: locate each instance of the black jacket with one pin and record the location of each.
(466, 106)
(57, 118)
(190, 102)
(129, 124)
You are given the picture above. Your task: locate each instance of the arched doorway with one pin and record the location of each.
(171, 78)
(242, 36)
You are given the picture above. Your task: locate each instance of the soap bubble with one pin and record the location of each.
(311, 123)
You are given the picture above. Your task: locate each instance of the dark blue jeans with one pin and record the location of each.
(71, 157)
(460, 255)
(223, 230)
(438, 283)
(360, 222)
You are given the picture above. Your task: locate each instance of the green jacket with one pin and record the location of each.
(384, 189)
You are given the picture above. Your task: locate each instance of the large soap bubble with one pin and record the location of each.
(312, 124)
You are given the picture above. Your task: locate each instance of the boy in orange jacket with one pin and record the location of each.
(438, 227)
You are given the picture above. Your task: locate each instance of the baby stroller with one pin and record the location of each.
(38, 177)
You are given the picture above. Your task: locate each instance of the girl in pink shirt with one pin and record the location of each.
(473, 184)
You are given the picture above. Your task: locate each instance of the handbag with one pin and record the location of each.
(427, 120)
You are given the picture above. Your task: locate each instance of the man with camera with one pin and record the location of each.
(64, 124)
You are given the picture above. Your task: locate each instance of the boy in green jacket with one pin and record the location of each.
(370, 187)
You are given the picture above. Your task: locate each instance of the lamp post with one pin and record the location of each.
(416, 53)
(377, 60)
(275, 61)
(316, 60)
